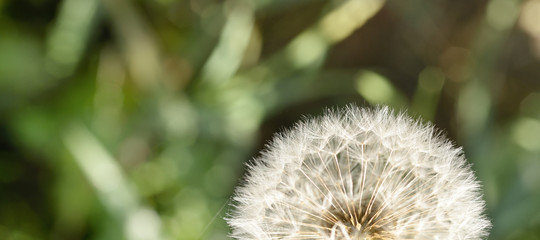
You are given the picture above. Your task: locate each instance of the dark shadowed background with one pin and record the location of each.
(133, 119)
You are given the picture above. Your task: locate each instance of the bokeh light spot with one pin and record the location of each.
(526, 132)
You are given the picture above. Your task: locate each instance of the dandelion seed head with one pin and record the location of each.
(359, 174)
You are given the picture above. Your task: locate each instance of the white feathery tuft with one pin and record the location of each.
(360, 174)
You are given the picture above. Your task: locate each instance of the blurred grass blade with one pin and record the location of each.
(345, 19)
(69, 36)
(137, 41)
(112, 187)
(101, 169)
(311, 46)
(306, 52)
(377, 89)
(228, 54)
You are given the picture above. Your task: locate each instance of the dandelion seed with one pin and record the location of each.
(360, 174)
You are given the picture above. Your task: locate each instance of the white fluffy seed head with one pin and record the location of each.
(360, 174)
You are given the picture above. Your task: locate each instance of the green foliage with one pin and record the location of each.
(134, 119)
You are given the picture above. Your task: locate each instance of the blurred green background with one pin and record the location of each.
(128, 119)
